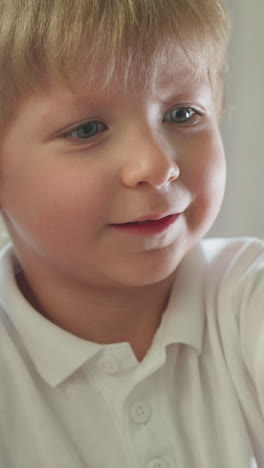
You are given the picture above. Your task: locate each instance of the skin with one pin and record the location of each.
(59, 197)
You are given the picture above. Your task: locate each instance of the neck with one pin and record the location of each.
(103, 316)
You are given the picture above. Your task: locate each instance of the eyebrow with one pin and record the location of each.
(80, 105)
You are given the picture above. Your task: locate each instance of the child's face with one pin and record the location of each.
(61, 196)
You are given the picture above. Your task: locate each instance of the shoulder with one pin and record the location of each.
(234, 298)
(234, 272)
(230, 251)
(226, 262)
(229, 263)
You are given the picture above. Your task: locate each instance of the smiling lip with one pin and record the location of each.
(148, 227)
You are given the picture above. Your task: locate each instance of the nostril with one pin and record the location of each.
(174, 172)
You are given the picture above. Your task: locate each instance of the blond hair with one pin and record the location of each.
(55, 36)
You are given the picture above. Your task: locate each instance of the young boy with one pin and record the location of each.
(126, 341)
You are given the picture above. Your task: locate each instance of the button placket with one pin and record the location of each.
(140, 412)
(158, 463)
(108, 365)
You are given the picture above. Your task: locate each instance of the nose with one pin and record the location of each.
(148, 158)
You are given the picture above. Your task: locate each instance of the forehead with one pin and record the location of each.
(171, 68)
(173, 74)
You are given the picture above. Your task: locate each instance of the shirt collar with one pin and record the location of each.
(184, 317)
(57, 353)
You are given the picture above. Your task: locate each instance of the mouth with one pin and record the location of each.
(148, 227)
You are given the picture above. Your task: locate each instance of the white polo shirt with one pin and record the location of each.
(195, 401)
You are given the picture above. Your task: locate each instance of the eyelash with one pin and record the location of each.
(69, 134)
(191, 110)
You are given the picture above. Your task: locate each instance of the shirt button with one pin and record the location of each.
(108, 365)
(158, 463)
(140, 412)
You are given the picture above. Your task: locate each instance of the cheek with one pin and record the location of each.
(78, 206)
(63, 203)
(83, 197)
(205, 177)
(208, 180)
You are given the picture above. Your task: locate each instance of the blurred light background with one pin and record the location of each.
(243, 125)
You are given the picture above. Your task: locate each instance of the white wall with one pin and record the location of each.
(243, 125)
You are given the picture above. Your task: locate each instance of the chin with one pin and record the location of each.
(154, 267)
